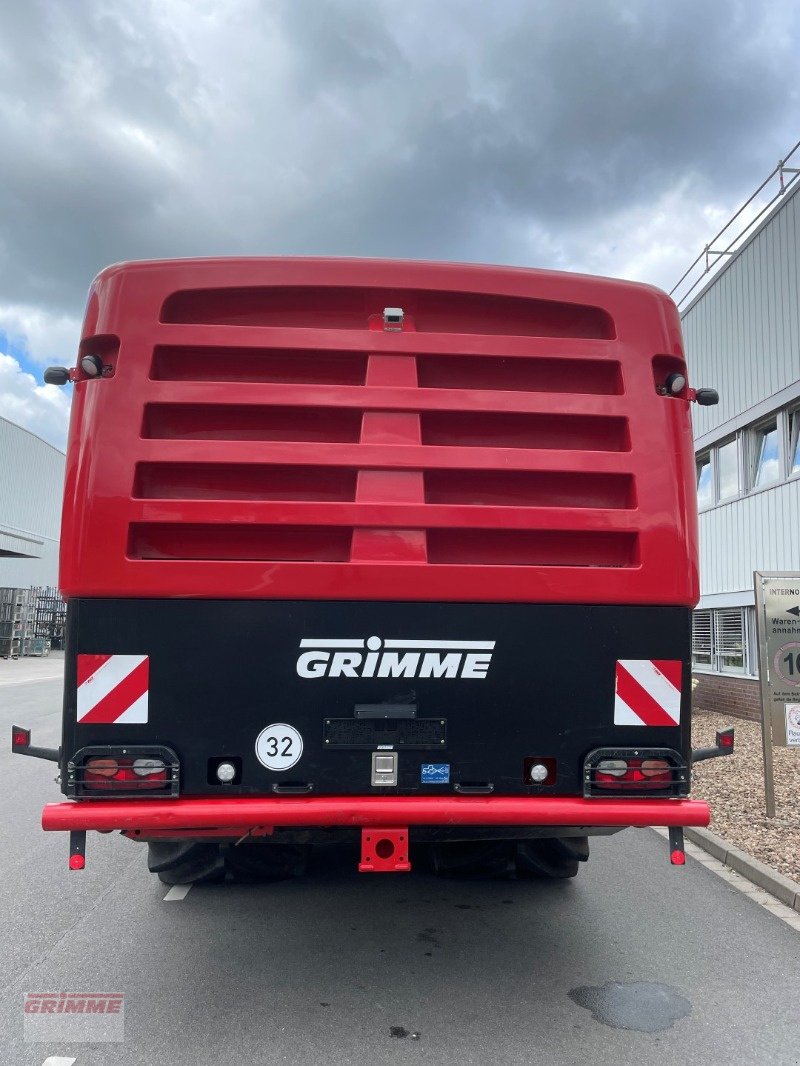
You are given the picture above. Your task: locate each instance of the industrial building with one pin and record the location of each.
(31, 487)
(742, 336)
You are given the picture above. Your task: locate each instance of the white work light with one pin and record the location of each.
(226, 772)
(92, 366)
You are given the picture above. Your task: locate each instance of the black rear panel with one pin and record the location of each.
(221, 672)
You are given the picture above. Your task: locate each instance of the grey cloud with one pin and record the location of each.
(454, 129)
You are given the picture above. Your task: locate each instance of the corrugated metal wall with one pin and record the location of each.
(760, 532)
(31, 486)
(742, 337)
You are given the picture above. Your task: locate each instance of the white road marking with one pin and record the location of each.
(29, 680)
(58, 1060)
(177, 893)
(758, 895)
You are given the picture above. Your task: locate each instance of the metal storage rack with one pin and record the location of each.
(31, 621)
(50, 618)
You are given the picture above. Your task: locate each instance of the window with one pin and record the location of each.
(729, 640)
(794, 442)
(759, 456)
(723, 640)
(728, 468)
(751, 640)
(701, 638)
(766, 454)
(705, 483)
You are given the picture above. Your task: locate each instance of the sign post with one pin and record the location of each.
(778, 621)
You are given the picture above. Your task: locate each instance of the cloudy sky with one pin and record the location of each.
(608, 136)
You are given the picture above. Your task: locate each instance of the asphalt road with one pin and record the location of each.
(339, 968)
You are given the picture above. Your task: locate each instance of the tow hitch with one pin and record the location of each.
(384, 851)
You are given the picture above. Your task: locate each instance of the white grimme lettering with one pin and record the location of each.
(344, 664)
(434, 665)
(313, 663)
(393, 664)
(476, 665)
(429, 664)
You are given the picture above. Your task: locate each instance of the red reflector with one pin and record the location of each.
(76, 862)
(20, 739)
(678, 858)
(726, 740)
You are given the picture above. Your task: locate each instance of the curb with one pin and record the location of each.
(786, 890)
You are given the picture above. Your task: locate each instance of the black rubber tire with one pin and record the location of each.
(552, 858)
(180, 862)
(474, 859)
(266, 862)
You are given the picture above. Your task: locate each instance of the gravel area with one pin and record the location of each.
(734, 789)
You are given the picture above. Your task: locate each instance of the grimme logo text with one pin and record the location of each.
(73, 1003)
(375, 657)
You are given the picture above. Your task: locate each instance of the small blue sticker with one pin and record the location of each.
(435, 773)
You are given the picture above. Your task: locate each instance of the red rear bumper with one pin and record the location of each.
(202, 812)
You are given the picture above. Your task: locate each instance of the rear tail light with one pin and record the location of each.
(655, 771)
(129, 771)
(655, 768)
(102, 767)
(148, 767)
(612, 768)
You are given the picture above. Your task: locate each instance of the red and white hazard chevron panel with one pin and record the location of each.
(648, 692)
(113, 689)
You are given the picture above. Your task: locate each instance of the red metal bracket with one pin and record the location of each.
(384, 851)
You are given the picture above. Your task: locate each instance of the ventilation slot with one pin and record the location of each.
(489, 430)
(329, 307)
(532, 548)
(299, 367)
(520, 374)
(230, 542)
(501, 488)
(229, 422)
(218, 481)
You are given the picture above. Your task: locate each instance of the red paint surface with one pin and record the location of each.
(203, 813)
(261, 436)
(384, 851)
(88, 665)
(672, 669)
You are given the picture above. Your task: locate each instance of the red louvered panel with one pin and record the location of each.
(263, 435)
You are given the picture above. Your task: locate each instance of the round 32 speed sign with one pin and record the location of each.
(279, 746)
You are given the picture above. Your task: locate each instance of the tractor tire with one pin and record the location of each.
(251, 863)
(551, 858)
(179, 862)
(474, 859)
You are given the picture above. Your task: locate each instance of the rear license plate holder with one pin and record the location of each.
(424, 734)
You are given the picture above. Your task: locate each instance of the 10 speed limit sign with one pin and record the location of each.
(778, 618)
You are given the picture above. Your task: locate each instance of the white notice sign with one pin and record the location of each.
(793, 724)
